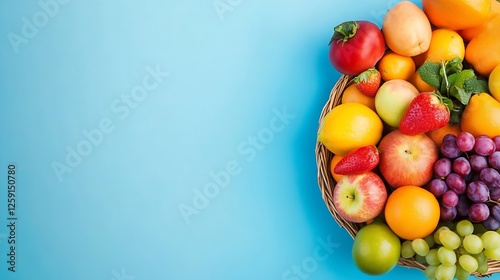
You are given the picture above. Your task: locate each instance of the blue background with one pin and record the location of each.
(228, 70)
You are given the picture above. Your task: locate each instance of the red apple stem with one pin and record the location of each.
(350, 197)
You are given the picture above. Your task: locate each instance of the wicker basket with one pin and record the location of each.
(327, 183)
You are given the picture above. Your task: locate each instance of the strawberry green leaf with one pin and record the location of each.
(365, 75)
(429, 72)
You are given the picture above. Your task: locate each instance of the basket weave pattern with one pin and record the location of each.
(327, 183)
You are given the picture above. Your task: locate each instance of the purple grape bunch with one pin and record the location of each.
(467, 179)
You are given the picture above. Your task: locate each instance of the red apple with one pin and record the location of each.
(407, 159)
(359, 197)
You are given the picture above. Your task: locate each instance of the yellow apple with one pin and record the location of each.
(392, 99)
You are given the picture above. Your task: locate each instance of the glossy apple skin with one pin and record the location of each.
(407, 159)
(360, 197)
(392, 99)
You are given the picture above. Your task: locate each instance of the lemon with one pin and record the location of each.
(494, 83)
(349, 126)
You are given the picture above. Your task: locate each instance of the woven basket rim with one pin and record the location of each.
(326, 182)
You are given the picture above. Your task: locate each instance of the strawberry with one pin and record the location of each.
(358, 161)
(368, 82)
(426, 112)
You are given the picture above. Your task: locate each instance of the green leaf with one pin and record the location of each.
(454, 65)
(455, 117)
(452, 78)
(344, 31)
(447, 102)
(473, 85)
(451, 81)
(429, 72)
(365, 75)
(462, 76)
(456, 113)
(460, 94)
(457, 86)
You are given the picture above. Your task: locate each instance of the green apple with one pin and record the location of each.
(392, 99)
(376, 249)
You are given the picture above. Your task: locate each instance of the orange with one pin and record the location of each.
(349, 126)
(456, 14)
(445, 45)
(412, 212)
(481, 116)
(352, 94)
(483, 49)
(422, 86)
(393, 66)
(438, 134)
(333, 163)
(492, 21)
(483, 52)
(494, 83)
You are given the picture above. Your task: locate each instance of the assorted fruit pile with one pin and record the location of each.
(416, 137)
